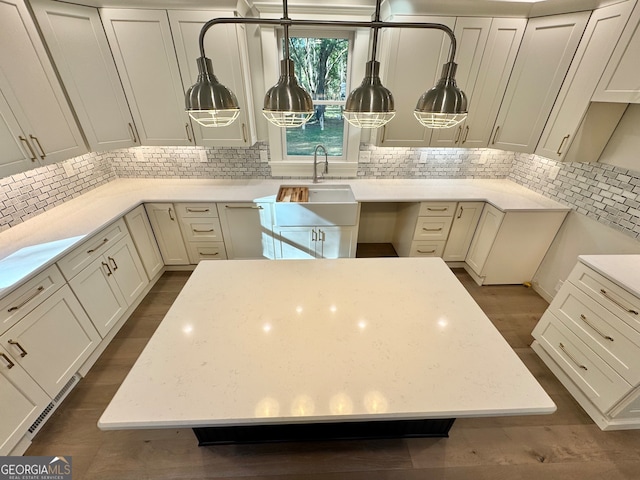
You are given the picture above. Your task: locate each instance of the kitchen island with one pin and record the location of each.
(261, 350)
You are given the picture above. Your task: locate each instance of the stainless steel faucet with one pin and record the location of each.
(315, 162)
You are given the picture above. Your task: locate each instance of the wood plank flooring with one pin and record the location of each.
(566, 445)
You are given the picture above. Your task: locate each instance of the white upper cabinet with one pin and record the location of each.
(559, 136)
(621, 79)
(30, 87)
(79, 47)
(15, 155)
(548, 46)
(226, 46)
(412, 63)
(143, 50)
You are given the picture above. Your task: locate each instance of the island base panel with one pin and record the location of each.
(323, 431)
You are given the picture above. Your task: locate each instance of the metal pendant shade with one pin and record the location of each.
(370, 105)
(208, 102)
(287, 104)
(445, 105)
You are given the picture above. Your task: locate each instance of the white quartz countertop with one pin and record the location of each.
(49, 235)
(264, 342)
(623, 270)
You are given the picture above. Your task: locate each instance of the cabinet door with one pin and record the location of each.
(499, 56)
(225, 45)
(167, 232)
(595, 49)
(294, 242)
(619, 82)
(334, 242)
(145, 242)
(143, 50)
(15, 155)
(79, 47)
(22, 402)
(54, 339)
(30, 86)
(462, 230)
(401, 47)
(484, 237)
(544, 57)
(127, 269)
(246, 228)
(98, 292)
(471, 35)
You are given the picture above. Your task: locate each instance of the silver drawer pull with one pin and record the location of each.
(255, 207)
(432, 209)
(10, 364)
(38, 291)
(439, 229)
(428, 251)
(209, 254)
(606, 294)
(606, 337)
(573, 359)
(195, 230)
(99, 246)
(197, 210)
(23, 352)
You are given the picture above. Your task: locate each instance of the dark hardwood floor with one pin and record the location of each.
(565, 446)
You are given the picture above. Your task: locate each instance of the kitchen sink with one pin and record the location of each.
(315, 205)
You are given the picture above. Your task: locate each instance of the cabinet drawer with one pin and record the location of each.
(196, 210)
(29, 295)
(612, 339)
(597, 380)
(437, 209)
(426, 249)
(202, 230)
(611, 296)
(432, 228)
(206, 251)
(72, 263)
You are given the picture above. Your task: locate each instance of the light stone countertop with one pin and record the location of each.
(48, 236)
(623, 270)
(366, 339)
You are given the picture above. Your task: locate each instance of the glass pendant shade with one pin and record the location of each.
(445, 105)
(371, 104)
(208, 102)
(287, 104)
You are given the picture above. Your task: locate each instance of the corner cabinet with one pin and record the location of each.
(226, 46)
(78, 45)
(166, 228)
(28, 82)
(547, 49)
(144, 240)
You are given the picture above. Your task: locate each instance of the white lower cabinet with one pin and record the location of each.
(164, 221)
(422, 229)
(246, 228)
(52, 341)
(590, 339)
(201, 231)
(22, 402)
(144, 240)
(463, 227)
(314, 242)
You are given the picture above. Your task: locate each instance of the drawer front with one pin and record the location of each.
(29, 295)
(597, 380)
(202, 230)
(612, 339)
(426, 249)
(72, 263)
(437, 209)
(206, 251)
(608, 294)
(432, 228)
(196, 210)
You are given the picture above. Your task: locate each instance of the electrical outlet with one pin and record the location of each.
(553, 172)
(68, 169)
(139, 155)
(424, 157)
(484, 157)
(264, 156)
(559, 285)
(203, 156)
(364, 157)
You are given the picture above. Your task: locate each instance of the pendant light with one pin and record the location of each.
(445, 105)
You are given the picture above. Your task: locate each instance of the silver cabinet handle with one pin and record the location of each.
(434, 209)
(606, 295)
(606, 337)
(564, 139)
(35, 139)
(89, 252)
(427, 251)
(26, 142)
(109, 272)
(10, 364)
(439, 229)
(323, 236)
(38, 291)
(314, 235)
(171, 215)
(197, 210)
(458, 134)
(244, 133)
(573, 359)
(186, 127)
(255, 207)
(384, 133)
(23, 352)
(133, 133)
(113, 263)
(495, 135)
(461, 210)
(466, 134)
(195, 230)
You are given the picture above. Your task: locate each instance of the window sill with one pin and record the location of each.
(305, 169)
